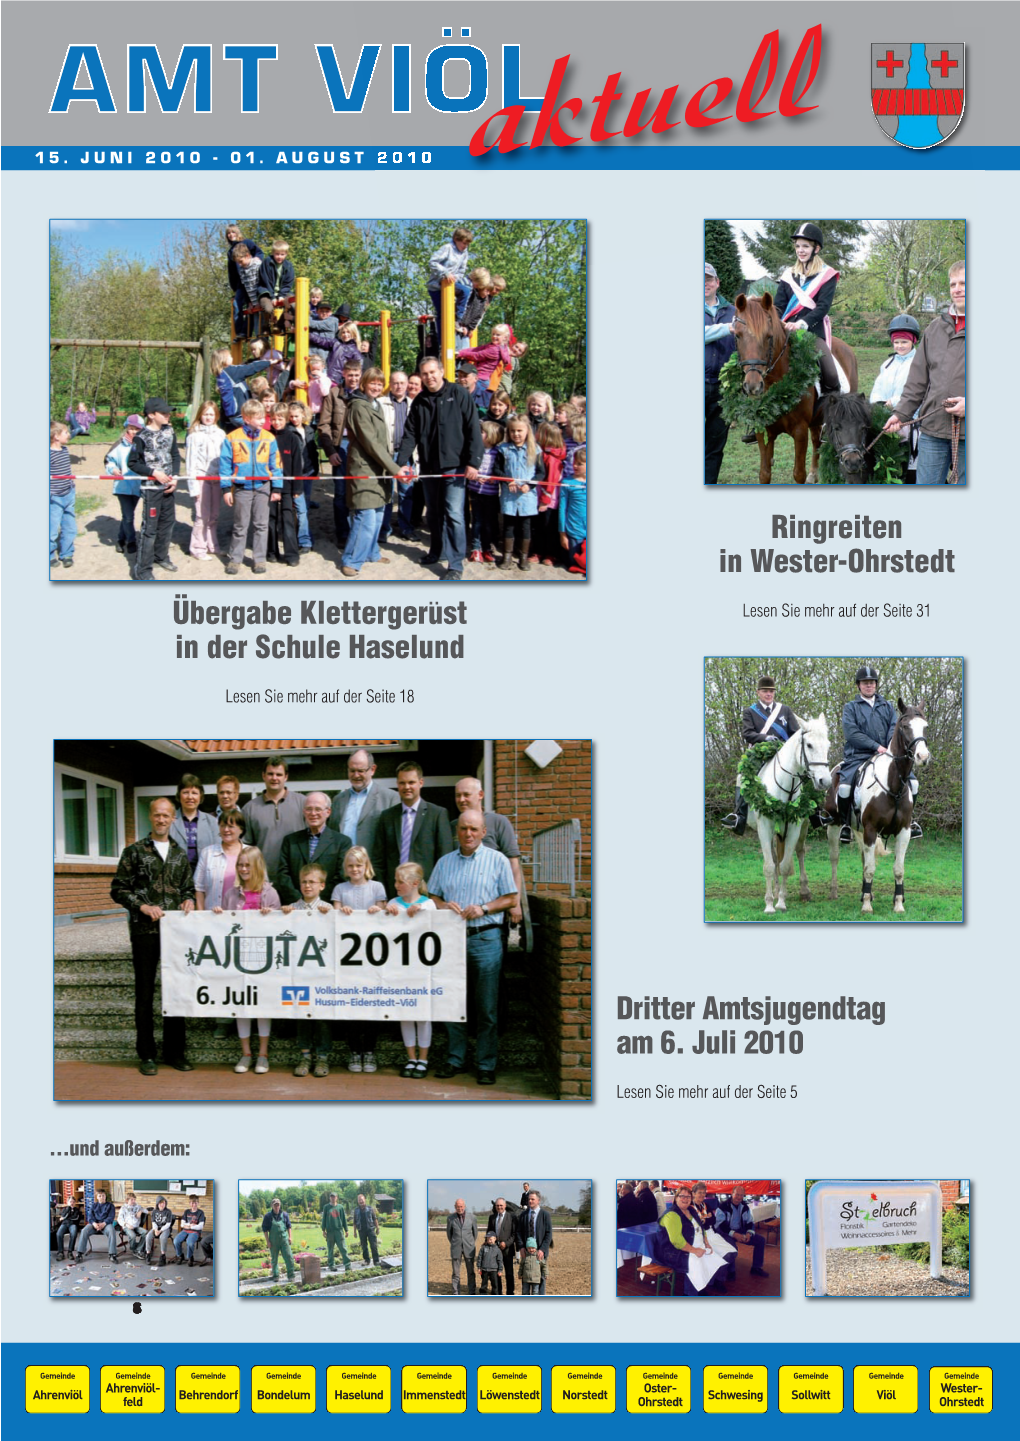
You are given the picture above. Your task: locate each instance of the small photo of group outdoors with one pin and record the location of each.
(341, 1238)
(697, 1238)
(887, 1238)
(318, 399)
(139, 1239)
(835, 352)
(509, 1238)
(834, 788)
(322, 920)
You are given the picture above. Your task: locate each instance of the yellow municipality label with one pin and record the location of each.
(283, 1388)
(357, 1389)
(56, 1390)
(431, 1390)
(132, 1390)
(506, 1389)
(203, 1389)
(658, 1389)
(810, 1390)
(960, 1390)
(584, 1390)
(731, 1389)
(885, 1390)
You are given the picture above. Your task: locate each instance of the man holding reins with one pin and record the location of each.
(868, 725)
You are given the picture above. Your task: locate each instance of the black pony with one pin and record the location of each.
(852, 452)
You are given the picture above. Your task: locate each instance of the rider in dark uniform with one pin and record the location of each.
(868, 725)
(719, 346)
(755, 720)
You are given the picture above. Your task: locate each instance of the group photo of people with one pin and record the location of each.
(509, 1238)
(319, 828)
(332, 1238)
(839, 779)
(835, 352)
(698, 1238)
(139, 1239)
(318, 400)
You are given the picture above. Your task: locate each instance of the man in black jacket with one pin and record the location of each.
(759, 722)
(733, 1220)
(415, 830)
(154, 876)
(869, 723)
(317, 843)
(443, 426)
(503, 1225)
(536, 1222)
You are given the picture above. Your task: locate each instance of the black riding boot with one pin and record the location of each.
(736, 821)
(843, 816)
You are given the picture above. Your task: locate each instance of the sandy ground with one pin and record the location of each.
(96, 556)
(569, 1272)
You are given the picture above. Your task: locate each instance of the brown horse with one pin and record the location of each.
(763, 351)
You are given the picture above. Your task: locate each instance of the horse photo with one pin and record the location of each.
(883, 806)
(763, 350)
(804, 758)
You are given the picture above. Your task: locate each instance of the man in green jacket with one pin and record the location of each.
(334, 1229)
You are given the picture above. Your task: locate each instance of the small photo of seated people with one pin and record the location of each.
(339, 1238)
(887, 1238)
(697, 1238)
(836, 350)
(509, 1238)
(834, 789)
(322, 920)
(139, 1239)
(323, 400)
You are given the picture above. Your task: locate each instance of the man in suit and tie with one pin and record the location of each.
(536, 1222)
(415, 830)
(767, 719)
(462, 1234)
(356, 812)
(317, 843)
(502, 1224)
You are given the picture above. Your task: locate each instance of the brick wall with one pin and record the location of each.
(82, 888)
(950, 1194)
(535, 799)
(562, 995)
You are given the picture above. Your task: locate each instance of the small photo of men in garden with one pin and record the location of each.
(838, 778)
(509, 1238)
(338, 1238)
(138, 1239)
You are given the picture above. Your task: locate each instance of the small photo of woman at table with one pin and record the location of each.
(697, 1238)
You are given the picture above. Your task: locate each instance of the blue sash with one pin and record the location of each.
(776, 728)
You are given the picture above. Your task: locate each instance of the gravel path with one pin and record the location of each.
(883, 1273)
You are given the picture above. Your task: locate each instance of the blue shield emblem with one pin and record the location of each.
(295, 995)
(917, 91)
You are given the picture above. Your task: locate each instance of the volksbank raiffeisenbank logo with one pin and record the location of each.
(917, 90)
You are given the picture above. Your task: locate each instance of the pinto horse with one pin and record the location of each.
(763, 350)
(887, 806)
(805, 756)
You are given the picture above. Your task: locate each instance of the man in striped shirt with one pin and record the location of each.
(476, 883)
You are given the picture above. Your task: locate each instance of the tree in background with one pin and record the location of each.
(721, 251)
(912, 259)
(773, 248)
(584, 1207)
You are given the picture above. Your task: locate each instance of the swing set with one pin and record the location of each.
(84, 363)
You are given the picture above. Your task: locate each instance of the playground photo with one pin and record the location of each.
(509, 1238)
(698, 1238)
(318, 399)
(834, 788)
(330, 920)
(139, 1239)
(835, 352)
(335, 1238)
(887, 1238)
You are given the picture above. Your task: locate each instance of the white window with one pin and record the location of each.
(88, 816)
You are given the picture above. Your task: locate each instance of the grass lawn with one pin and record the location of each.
(306, 1236)
(735, 884)
(740, 461)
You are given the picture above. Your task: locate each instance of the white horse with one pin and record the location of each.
(805, 754)
(886, 807)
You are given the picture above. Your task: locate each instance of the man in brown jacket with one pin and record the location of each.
(936, 386)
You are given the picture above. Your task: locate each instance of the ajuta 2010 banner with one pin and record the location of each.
(332, 966)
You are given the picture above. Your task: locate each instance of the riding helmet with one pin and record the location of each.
(904, 322)
(866, 672)
(766, 683)
(808, 232)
